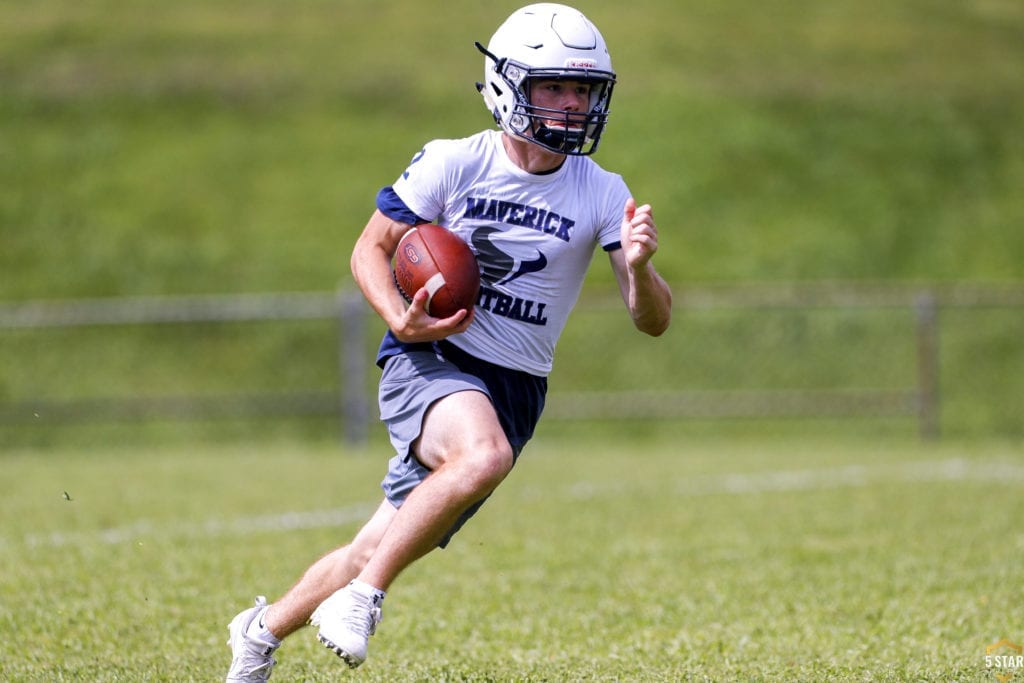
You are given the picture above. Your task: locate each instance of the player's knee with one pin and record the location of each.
(484, 468)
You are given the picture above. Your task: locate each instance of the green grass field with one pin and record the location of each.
(620, 560)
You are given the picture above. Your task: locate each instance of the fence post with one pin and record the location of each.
(926, 314)
(352, 361)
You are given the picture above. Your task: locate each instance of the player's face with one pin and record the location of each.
(562, 96)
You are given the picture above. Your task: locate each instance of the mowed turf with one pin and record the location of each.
(656, 559)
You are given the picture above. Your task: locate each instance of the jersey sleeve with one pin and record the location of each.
(422, 187)
(610, 234)
(392, 206)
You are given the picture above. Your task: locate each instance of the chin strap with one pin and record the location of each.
(562, 141)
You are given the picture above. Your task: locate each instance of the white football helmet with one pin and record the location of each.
(547, 41)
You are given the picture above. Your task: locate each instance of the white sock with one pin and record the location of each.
(366, 589)
(258, 630)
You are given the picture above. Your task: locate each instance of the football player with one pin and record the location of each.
(461, 395)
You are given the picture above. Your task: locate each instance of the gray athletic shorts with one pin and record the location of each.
(414, 380)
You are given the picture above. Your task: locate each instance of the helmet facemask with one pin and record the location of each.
(578, 133)
(564, 131)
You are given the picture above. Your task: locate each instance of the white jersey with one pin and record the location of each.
(533, 235)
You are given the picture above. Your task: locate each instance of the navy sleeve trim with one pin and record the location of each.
(612, 246)
(392, 206)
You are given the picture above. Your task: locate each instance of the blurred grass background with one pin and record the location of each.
(224, 146)
(154, 148)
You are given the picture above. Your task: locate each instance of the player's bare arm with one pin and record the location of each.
(647, 295)
(371, 268)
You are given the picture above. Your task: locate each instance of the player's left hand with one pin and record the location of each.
(639, 234)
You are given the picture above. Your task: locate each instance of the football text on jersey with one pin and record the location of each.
(512, 307)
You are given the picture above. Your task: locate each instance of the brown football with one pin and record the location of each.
(434, 257)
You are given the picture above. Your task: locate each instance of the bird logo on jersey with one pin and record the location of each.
(498, 267)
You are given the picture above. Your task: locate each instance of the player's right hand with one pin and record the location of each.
(416, 325)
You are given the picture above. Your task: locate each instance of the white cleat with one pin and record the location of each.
(347, 619)
(252, 659)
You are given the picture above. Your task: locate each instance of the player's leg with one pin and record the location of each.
(463, 445)
(332, 571)
(257, 632)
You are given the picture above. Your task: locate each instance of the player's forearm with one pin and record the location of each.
(371, 268)
(649, 300)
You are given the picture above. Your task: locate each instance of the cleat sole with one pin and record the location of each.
(344, 656)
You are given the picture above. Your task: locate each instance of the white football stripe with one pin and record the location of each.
(435, 283)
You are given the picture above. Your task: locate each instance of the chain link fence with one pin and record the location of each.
(945, 359)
